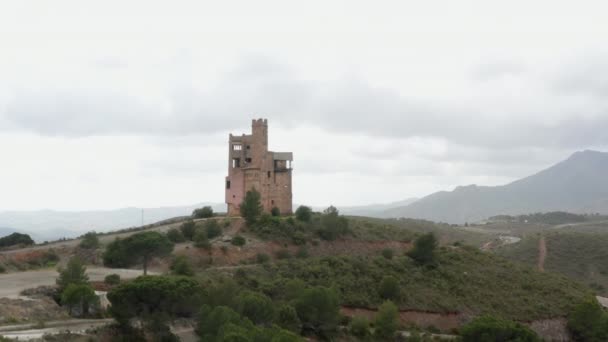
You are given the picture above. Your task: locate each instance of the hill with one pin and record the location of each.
(577, 185)
(51, 225)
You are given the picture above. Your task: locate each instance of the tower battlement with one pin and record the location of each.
(251, 165)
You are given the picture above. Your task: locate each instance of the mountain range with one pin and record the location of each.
(578, 184)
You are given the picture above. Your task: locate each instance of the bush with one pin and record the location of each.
(424, 249)
(251, 207)
(80, 296)
(256, 307)
(275, 211)
(287, 318)
(386, 321)
(388, 253)
(188, 229)
(16, 239)
(204, 212)
(175, 235)
(89, 241)
(359, 327)
(2, 269)
(389, 288)
(262, 258)
(283, 254)
(201, 240)
(302, 253)
(588, 322)
(112, 279)
(238, 241)
(213, 229)
(318, 309)
(181, 266)
(332, 224)
(303, 213)
(116, 255)
(487, 328)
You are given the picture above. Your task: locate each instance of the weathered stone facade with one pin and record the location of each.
(251, 165)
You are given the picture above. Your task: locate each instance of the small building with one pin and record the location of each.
(252, 166)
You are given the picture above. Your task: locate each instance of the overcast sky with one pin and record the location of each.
(106, 104)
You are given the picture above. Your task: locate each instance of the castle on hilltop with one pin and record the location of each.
(251, 165)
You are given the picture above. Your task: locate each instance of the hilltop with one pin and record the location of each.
(577, 185)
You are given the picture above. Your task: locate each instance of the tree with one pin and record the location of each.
(332, 224)
(181, 266)
(81, 296)
(389, 288)
(424, 249)
(386, 321)
(74, 273)
(287, 318)
(117, 255)
(490, 329)
(275, 211)
(146, 245)
(175, 235)
(318, 308)
(238, 241)
(211, 321)
(359, 327)
(213, 229)
(16, 239)
(256, 307)
(89, 241)
(303, 213)
(188, 229)
(204, 212)
(588, 322)
(388, 253)
(112, 279)
(201, 240)
(154, 298)
(251, 207)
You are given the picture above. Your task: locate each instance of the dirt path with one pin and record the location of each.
(542, 253)
(25, 332)
(11, 284)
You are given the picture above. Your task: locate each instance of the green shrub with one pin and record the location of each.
(303, 213)
(389, 288)
(262, 258)
(188, 229)
(16, 239)
(588, 322)
(238, 241)
(2, 269)
(175, 235)
(275, 211)
(388, 253)
(302, 253)
(257, 307)
(332, 224)
(487, 328)
(75, 272)
(204, 212)
(287, 318)
(251, 207)
(424, 249)
(201, 240)
(283, 254)
(386, 321)
(81, 296)
(89, 241)
(112, 279)
(359, 327)
(318, 309)
(213, 229)
(181, 266)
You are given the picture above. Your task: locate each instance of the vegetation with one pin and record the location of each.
(251, 207)
(112, 279)
(318, 309)
(552, 218)
(275, 211)
(212, 229)
(303, 213)
(201, 240)
(424, 249)
(80, 296)
(175, 235)
(579, 255)
(89, 241)
(188, 229)
(490, 329)
(588, 322)
(16, 239)
(204, 212)
(75, 273)
(137, 248)
(238, 240)
(387, 321)
(181, 266)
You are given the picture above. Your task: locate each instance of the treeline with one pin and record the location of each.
(554, 217)
(15, 239)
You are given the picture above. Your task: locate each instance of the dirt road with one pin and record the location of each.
(542, 253)
(25, 332)
(11, 284)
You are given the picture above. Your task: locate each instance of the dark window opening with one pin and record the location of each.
(236, 162)
(248, 147)
(227, 184)
(268, 174)
(248, 160)
(272, 202)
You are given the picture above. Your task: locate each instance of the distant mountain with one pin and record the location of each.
(578, 184)
(374, 210)
(49, 224)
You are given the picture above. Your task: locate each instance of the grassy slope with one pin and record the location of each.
(580, 255)
(466, 281)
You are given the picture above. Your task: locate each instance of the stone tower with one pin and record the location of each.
(251, 165)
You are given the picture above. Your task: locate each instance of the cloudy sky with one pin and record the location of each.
(106, 104)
